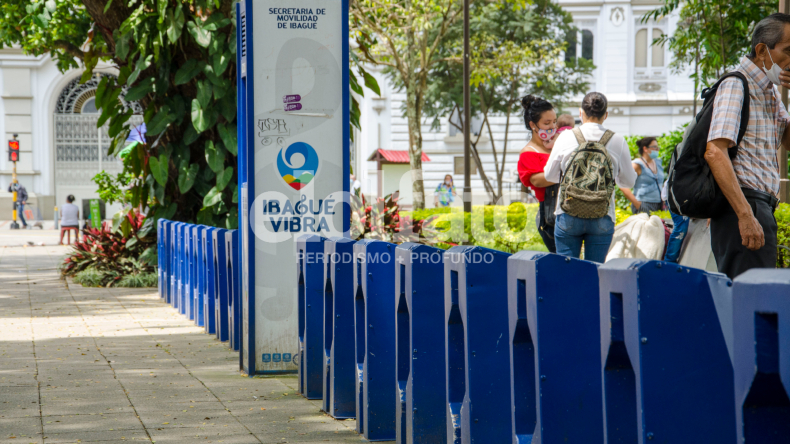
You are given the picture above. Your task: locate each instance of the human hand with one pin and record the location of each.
(637, 204)
(752, 235)
(784, 77)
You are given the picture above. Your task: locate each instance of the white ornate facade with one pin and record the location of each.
(645, 97)
(55, 118)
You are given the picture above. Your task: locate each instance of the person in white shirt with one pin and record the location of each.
(596, 234)
(69, 220)
(355, 185)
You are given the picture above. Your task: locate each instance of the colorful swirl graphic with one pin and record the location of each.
(300, 174)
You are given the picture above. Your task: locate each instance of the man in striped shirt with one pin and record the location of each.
(744, 237)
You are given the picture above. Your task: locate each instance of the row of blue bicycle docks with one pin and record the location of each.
(422, 345)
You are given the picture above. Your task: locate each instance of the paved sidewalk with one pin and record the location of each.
(114, 365)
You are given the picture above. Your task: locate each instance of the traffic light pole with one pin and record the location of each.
(14, 224)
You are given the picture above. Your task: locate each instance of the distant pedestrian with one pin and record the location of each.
(646, 197)
(354, 185)
(541, 120)
(585, 209)
(69, 220)
(445, 193)
(21, 201)
(745, 236)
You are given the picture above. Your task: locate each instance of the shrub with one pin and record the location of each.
(106, 255)
(783, 235)
(138, 280)
(89, 277)
(506, 228)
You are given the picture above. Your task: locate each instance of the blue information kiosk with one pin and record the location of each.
(293, 132)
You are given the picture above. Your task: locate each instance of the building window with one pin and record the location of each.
(587, 44)
(646, 51)
(459, 166)
(580, 43)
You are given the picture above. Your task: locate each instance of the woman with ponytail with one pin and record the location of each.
(541, 121)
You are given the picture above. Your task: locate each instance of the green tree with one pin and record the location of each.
(517, 49)
(176, 58)
(713, 33)
(406, 36)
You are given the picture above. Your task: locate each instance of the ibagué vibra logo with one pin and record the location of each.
(297, 164)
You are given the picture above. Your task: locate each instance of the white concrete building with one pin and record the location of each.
(55, 118)
(645, 98)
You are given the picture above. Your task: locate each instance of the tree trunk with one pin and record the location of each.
(414, 117)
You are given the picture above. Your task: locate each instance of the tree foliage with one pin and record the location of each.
(177, 59)
(406, 36)
(516, 49)
(717, 33)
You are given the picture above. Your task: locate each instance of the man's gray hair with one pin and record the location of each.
(770, 31)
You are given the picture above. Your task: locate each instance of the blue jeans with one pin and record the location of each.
(20, 212)
(676, 238)
(596, 234)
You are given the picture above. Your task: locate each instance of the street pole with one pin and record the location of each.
(784, 184)
(14, 224)
(467, 116)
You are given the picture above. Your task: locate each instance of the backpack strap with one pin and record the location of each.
(579, 136)
(606, 137)
(710, 94)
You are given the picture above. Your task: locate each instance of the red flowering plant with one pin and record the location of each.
(115, 253)
(382, 220)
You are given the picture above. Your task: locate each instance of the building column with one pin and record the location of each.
(18, 106)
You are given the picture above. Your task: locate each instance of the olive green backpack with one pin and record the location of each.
(587, 186)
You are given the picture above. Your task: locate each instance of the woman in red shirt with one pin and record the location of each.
(541, 120)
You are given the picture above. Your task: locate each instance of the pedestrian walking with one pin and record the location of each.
(445, 193)
(21, 201)
(541, 120)
(588, 162)
(646, 197)
(745, 235)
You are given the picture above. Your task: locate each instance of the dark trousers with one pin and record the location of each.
(732, 257)
(546, 231)
(20, 212)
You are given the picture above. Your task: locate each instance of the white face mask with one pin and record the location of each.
(773, 73)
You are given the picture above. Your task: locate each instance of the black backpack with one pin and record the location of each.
(691, 189)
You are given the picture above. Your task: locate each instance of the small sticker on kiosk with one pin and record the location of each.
(266, 357)
(286, 357)
(292, 98)
(276, 357)
(292, 106)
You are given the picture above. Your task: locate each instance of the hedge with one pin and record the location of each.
(517, 230)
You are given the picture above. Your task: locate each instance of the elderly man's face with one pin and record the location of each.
(779, 55)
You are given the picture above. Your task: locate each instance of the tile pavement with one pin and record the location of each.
(115, 365)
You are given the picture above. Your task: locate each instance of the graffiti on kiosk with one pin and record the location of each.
(270, 130)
